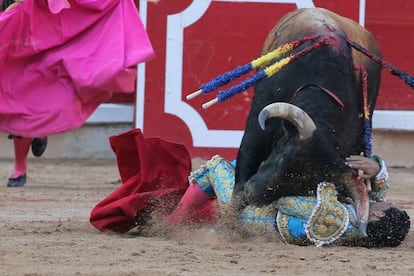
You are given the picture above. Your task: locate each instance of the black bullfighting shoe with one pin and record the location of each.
(17, 181)
(6, 4)
(39, 146)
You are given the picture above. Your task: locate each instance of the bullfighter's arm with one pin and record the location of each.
(369, 167)
(375, 169)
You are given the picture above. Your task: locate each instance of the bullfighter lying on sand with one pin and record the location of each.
(156, 173)
(322, 219)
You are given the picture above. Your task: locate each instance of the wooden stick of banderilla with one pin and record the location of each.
(261, 74)
(367, 181)
(244, 69)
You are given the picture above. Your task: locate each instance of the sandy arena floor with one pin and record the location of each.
(44, 230)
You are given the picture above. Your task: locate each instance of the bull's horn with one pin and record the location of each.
(299, 118)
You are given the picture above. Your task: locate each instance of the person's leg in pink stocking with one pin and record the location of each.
(193, 199)
(21, 149)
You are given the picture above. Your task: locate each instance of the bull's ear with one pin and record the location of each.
(295, 115)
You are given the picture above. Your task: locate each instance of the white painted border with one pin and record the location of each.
(299, 3)
(112, 113)
(398, 120)
(140, 93)
(362, 12)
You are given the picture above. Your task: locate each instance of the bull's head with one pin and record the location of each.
(300, 159)
(278, 174)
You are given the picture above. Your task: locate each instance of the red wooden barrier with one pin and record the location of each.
(231, 33)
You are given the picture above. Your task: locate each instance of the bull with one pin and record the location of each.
(310, 111)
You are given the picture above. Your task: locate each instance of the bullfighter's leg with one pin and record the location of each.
(193, 199)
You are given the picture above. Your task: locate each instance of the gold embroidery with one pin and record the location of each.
(329, 219)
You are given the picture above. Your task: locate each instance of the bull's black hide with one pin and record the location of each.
(275, 162)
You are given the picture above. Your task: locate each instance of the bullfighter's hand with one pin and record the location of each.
(369, 167)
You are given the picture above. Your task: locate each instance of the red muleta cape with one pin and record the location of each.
(154, 175)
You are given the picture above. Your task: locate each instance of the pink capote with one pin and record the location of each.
(60, 59)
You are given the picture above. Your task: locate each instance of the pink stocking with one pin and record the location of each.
(192, 199)
(21, 149)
